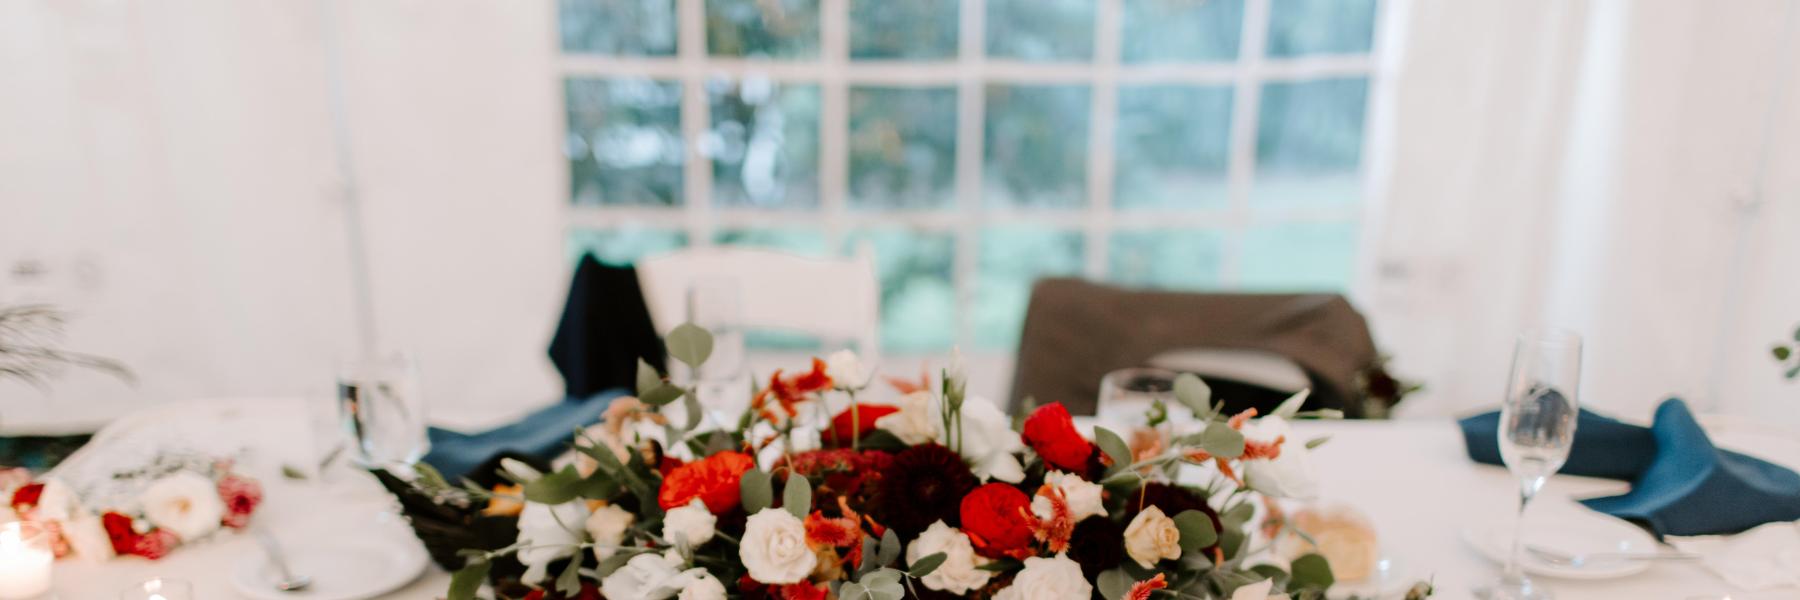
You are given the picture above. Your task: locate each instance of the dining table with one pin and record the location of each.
(1411, 478)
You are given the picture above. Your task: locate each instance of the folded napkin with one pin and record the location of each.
(541, 435)
(604, 331)
(1604, 447)
(1762, 559)
(1694, 488)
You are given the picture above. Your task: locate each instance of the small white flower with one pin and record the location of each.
(960, 572)
(1287, 476)
(1046, 578)
(988, 442)
(1261, 590)
(608, 526)
(648, 577)
(1152, 536)
(846, 370)
(519, 470)
(692, 524)
(917, 421)
(550, 533)
(956, 374)
(703, 587)
(87, 537)
(774, 548)
(1083, 497)
(186, 504)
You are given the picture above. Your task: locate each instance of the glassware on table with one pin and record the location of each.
(717, 305)
(159, 589)
(1127, 395)
(382, 412)
(25, 561)
(1537, 429)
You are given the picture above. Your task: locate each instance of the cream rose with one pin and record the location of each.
(648, 577)
(1083, 497)
(608, 526)
(1045, 578)
(550, 533)
(1151, 537)
(846, 370)
(87, 538)
(186, 504)
(774, 548)
(988, 441)
(1287, 476)
(692, 524)
(917, 421)
(703, 587)
(960, 572)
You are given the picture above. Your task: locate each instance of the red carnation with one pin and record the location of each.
(714, 480)
(119, 531)
(156, 544)
(1050, 432)
(997, 518)
(802, 591)
(844, 427)
(27, 496)
(241, 496)
(828, 531)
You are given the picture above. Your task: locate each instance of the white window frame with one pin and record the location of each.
(969, 74)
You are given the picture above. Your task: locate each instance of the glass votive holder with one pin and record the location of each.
(25, 561)
(159, 589)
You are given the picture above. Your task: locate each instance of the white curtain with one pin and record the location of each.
(1625, 169)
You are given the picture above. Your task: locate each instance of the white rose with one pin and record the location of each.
(648, 577)
(917, 421)
(1287, 476)
(186, 504)
(703, 587)
(988, 442)
(57, 502)
(692, 524)
(1045, 578)
(846, 370)
(1083, 497)
(1151, 537)
(1261, 590)
(960, 572)
(549, 533)
(608, 526)
(774, 548)
(87, 537)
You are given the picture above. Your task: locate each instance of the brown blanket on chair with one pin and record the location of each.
(1076, 331)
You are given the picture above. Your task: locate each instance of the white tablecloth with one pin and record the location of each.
(1410, 477)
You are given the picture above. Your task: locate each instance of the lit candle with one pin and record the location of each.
(24, 563)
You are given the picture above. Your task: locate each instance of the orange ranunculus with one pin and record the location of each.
(714, 480)
(791, 390)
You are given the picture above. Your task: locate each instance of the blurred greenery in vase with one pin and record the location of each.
(1787, 354)
(30, 347)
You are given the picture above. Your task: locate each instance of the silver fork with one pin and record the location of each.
(1580, 560)
(289, 581)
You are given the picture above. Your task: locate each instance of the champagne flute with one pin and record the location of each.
(1537, 429)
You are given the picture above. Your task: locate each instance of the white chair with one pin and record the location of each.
(836, 300)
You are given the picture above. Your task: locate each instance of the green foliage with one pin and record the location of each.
(755, 491)
(1193, 393)
(467, 580)
(569, 582)
(1114, 447)
(1220, 440)
(881, 584)
(1310, 572)
(647, 378)
(557, 487)
(1291, 406)
(1316, 442)
(926, 564)
(689, 344)
(890, 549)
(796, 497)
(1196, 530)
(1114, 584)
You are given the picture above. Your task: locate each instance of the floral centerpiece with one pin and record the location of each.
(813, 494)
(147, 512)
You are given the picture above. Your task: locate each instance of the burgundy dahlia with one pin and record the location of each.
(925, 484)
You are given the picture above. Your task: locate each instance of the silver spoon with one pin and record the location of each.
(289, 581)
(1579, 560)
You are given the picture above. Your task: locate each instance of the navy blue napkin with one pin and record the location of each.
(605, 329)
(1604, 447)
(1694, 488)
(541, 435)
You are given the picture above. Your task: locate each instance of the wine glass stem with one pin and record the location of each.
(1527, 489)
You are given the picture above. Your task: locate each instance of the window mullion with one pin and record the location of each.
(1246, 98)
(970, 113)
(696, 120)
(1103, 120)
(834, 118)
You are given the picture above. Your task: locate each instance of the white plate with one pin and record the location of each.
(350, 569)
(1563, 526)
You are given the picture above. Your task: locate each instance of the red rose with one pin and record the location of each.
(996, 518)
(156, 544)
(844, 427)
(241, 496)
(714, 480)
(1050, 432)
(119, 531)
(802, 591)
(27, 496)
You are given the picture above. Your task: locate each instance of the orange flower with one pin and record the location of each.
(790, 391)
(1056, 530)
(1141, 590)
(507, 501)
(828, 531)
(714, 480)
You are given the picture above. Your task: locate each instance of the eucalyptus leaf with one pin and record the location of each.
(868, 555)
(1238, 515)
(647, 377)
(661, 394)
(890, 549)
(1114, 447)
(1271, 572)
(1196, 530)
(756, 491)
(467, 580)
(1794, 372)
(429, 477)
(852, 591)
(1193, 393)
(926, 564)
(612, 563)
(1231, 541)
(1316, 442)
(881, 439)
(1310, 572)
(569, 582)
(1291, 406)
(1782, 352)
(1114, 584)
(694, 413)
(1221, 441)
(555, 488)
(690, 344)
(796, 497)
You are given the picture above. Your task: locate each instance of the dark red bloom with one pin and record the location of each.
(241, 496)
(997, 518)
(27, 496)
(118, 530)
(667, 465)
(714, 480)
(844, 427)
(802, 591)
(926, 484)
(1050, 432)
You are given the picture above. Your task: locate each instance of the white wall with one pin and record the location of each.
(171, 168)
